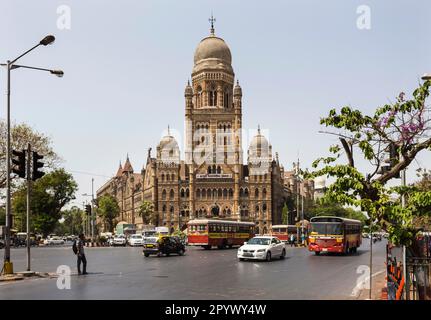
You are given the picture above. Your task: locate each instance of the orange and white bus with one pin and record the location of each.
(283, 231)
(334, 234)
(221, 233)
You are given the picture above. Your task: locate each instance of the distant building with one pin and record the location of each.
(212, 181)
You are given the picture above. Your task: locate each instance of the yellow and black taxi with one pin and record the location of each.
(163, 245)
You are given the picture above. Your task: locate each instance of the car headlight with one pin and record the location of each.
(261, 250)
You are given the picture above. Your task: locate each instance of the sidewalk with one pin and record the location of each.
(379, 284)
(26, 275)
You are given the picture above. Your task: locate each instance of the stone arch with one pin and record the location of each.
(164, 194)
(171, 194)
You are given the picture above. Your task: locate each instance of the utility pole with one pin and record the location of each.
(403, 204)
(28, 204)
(92, 211)
(371, 256)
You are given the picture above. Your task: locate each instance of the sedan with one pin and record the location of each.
(135, 240)
(54, 241)
(262, 248)
(119, 240)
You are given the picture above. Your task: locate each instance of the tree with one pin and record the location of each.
(402, 126)
(21, 135)
(73, 220)
(108, 210)
(323, 208)
(48, 197)
(285, 214)
(146, 212)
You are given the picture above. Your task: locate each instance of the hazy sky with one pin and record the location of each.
(126, 64)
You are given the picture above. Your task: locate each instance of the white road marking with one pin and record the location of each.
(357, 289)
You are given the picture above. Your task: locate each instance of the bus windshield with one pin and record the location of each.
(327, 228)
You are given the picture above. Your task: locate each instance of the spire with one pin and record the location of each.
(169, 131)
(212, 20)
(258, 129)
(128, 166)
(120, 170)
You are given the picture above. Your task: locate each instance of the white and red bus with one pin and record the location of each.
(221, 233)
(283, 231)
(334, 234)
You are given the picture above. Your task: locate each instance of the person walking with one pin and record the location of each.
(292, 240)
(81, 255)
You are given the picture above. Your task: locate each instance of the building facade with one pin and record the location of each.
(212, 180)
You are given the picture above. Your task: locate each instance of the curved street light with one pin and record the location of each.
(7, 265)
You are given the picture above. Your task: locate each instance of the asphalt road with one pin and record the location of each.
(123, 273)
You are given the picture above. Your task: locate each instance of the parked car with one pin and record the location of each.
(1, 244)
(53, 241)
(135, 240)
(163, 245)
(119, 240)
(262, 248)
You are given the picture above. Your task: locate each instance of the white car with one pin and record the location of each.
(53, 241)
(262, 248)
(135, 240)
(119, 240)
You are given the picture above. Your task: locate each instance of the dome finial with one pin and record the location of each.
(169, 131)
(212, 20)
(258, 128)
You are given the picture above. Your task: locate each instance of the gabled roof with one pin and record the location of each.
(128, 166)
(120, 170)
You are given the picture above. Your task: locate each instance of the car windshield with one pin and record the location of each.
(149, 233)
(137, 236)
(151, 240)
(327, 228)
(259, 241)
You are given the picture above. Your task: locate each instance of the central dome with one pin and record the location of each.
(212, 53)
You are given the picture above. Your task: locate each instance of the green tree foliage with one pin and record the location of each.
(322, 208)
(108, 210)
(48, 197)
(73, 220)
(146, 212)
(404, 124)
(21, 135)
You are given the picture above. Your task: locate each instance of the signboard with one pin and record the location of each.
(214, 175)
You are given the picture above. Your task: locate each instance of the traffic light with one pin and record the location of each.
(36, 165)
(18, 159)
(88, 209)
(392, 161)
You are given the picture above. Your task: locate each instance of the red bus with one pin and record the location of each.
(220, 233)
(334, 234)
(283, 231)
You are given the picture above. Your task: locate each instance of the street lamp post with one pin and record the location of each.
(10, 65)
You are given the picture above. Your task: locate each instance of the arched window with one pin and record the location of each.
(219, 169)
(219, 193)
(264, 207)
(226, 98)
(163, 177)
(241, 192)
(172, 177)
(209, 193)
(164, 194)
(187, 193)
(164, 208)
(199, 97)
(224, 193)
(230, 193)
(246, 192)
(256, 193)
(257, 209)
(182, 193)
(171, 194)
(213, 96)
(209, 169)
(214, 169)
(264, 193)
(214, 193)
(228, 212)
(167, 177)
(204, 193)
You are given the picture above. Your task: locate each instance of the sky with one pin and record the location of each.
(126, 65)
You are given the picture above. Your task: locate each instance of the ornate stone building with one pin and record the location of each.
(212, 181)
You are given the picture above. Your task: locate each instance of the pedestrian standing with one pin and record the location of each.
(81, 255)
(292, 240)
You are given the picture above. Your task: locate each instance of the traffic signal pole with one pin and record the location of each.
(28, 204)
(7, 264)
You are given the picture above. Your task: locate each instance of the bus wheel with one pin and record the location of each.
(207, 247)
(317, 253)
